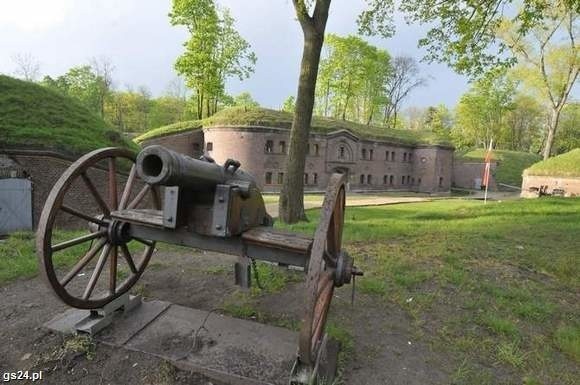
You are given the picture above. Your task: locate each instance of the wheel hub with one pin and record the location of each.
(118, 232)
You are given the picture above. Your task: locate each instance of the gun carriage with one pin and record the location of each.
(172, 198)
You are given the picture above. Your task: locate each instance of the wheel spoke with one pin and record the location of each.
(113, 198)
(127, 255)
(83, 262)
(113, 271)
(76, 241)
(76, 213)
(128, 187)
(96, 194)
(97, 272)
(139, 197)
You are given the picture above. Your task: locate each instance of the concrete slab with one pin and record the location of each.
(226, 349)
(247, 352)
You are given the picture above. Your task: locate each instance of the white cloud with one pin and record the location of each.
(34, 15)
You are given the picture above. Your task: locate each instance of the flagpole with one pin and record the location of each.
(487, 170)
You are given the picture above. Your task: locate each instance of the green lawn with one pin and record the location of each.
(495, 287)
(32, 116)
(511, 164)
(567, 164)
(501, 281)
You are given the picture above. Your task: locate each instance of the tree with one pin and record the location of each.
(103, 68)
(289, 104)
(569, 137)
(482, 113)
(80, 83)
(547, 68)
(462, 33)
(214, 52)
(352, 79)
(27, 66)
(245, 100)
(404, 78)
(313, 24)
(439, 120)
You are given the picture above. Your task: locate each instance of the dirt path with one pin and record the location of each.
(386, 351)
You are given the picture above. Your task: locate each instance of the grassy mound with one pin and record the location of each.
(511, 164)
(32, 116)
(244, 116)
(567, 164)
(170, 129)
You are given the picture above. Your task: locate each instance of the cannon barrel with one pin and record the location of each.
(158, 165)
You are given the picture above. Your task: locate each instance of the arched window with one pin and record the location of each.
(362, 179)
(370, 154)
(315, 178)
(364, 153)
(385, 179)
(268, 178)
(269, 146)
(305, 179)
(391, 179)
(369, 179)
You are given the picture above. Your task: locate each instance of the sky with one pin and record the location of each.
(135, 35)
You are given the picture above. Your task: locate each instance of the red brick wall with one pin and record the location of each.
(465, 173)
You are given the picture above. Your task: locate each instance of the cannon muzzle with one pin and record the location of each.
(158, 165)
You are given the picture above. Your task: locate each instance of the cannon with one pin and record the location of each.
(163, 196)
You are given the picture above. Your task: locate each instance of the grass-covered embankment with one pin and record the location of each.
(511, 164)
(264, 117)
(35, 117)
(567, 164)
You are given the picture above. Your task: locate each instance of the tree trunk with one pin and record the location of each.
(291, 206)
(552, 125)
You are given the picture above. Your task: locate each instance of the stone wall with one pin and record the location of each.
(570, 185)
(469, 175)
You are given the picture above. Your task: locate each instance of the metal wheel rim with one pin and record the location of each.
(52, 207)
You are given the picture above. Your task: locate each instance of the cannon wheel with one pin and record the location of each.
(321, 269)
(104, 235)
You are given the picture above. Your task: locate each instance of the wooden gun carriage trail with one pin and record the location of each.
(172, 198)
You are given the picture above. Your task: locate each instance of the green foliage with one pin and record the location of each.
(214, 52)
(510, 164)
(462, 33)
(245, 100)
(567, 164)
(482, 111)
(289, 104)
(80, 83)
(569, 129)
(38, 117)
(351, 79)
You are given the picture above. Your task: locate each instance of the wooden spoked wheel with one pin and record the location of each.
(69, 266)
(321, 269)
